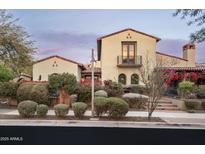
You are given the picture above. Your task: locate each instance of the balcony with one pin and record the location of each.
(135, 61)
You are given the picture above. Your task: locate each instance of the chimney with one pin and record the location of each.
(189, 54)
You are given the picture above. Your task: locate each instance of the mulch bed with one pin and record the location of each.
(53, 117)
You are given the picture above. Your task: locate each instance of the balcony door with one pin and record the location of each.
(128, 52)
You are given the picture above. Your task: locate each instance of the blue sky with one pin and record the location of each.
(72, 33)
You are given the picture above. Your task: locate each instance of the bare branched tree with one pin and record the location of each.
(153, 76)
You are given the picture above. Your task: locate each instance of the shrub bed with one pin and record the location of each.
(36, 92)
(139, 89)
(42, 110)
(113, 89)
(61, 110)
(118, 108)
(27, 108)
(84, 92)
(101, 93)
(8, 89)
(79, 109)
(190, 104)
(101, 105)
(200, 93)
(136, 101)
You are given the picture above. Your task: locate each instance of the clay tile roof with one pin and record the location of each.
(185, 68)
(96, 70)
(66, 59)
(158, 39)
(171, 56)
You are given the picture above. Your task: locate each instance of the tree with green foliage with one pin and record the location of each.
(194, 16)
(58, 81)
(16, 49)
(6, 74)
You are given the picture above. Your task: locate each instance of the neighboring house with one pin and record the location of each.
(55, 64)
(123, 53)
(22, 77)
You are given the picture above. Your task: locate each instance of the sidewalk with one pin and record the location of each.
(161, 114)
(171, 118)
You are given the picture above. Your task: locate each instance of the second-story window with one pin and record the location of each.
(128, 52)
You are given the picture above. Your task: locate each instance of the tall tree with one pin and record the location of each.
(16, 49)
(194, 16)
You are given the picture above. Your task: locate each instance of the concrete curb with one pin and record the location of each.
(109, 124)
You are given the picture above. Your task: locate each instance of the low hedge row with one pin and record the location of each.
(191, 104)
(115, 107)
(28, 109)
(36, 92)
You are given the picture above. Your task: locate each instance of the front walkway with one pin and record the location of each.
(171, 118)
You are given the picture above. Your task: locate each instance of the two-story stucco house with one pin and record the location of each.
(123, 53)
(120, 57)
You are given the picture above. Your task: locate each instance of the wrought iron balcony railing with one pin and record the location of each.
(125, 61)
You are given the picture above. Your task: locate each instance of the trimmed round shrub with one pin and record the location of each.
(27, 108)
(79, 109)
(39, 93)
(42, 110)
(101, 93)
(61, 110)
(136, 101)
(23, 92)
(135, 88)
(118, 108)
(35, 92)
(101, 105)
(190, 104)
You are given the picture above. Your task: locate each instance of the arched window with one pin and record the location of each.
(134, 79)
(122, 78)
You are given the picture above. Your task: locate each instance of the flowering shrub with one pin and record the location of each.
(171, 75)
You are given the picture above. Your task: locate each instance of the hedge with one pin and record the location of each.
(35, 92)
(8, 89)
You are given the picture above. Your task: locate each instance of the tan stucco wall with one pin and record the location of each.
(45, 68)
(111, 48)
(167, 61)
(97, 64)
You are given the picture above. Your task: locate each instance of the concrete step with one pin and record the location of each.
(167, 109)
(165, 102)
(166, 105)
